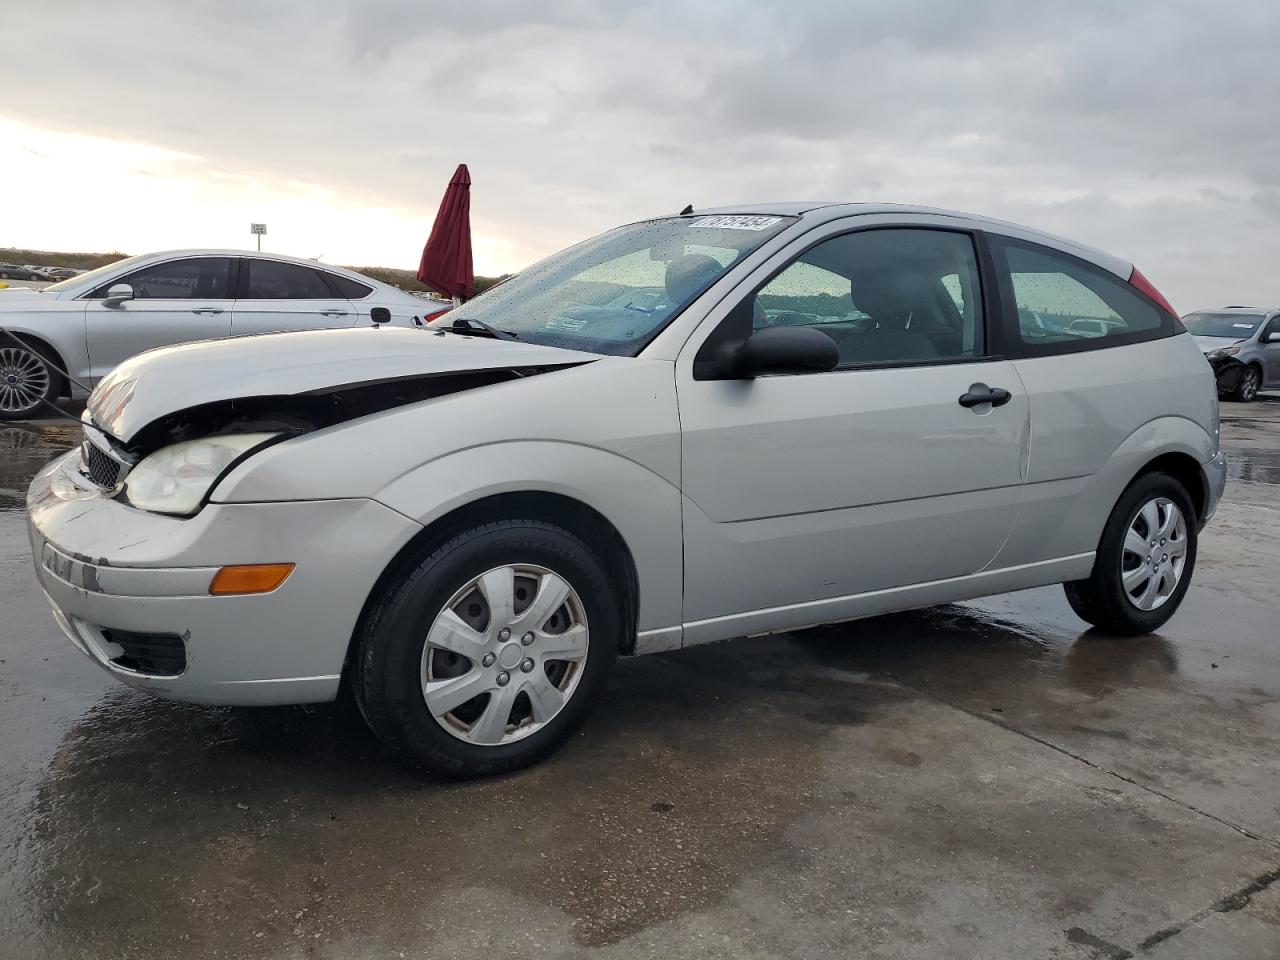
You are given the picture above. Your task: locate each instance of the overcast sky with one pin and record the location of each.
(1146, 128)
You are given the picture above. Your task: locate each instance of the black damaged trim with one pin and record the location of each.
(295, 414)
(1227, 370)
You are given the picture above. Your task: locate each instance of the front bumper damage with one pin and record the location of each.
(1227, 371)
(110, 570)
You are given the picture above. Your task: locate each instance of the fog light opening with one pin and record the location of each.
(249, 578)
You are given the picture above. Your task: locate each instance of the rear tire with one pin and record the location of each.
(1144, 561)
(468, 618)
(1250, 383)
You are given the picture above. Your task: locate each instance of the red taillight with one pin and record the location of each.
(1137, 280)
(428, 317)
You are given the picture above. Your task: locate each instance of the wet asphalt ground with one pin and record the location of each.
(986, 779)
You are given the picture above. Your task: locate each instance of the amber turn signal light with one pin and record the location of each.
(249, 578)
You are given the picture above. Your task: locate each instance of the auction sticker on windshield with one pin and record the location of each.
(736, 222)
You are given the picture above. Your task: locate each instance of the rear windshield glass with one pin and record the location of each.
(612, 294)
(1237, 326)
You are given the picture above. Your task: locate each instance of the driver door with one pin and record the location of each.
(806, 496)
(176, 301)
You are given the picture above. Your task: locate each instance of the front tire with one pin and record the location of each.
(1144, 560)
(1250, 383)
(486, 654)
(27, 381)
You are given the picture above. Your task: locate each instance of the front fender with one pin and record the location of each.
(643, 506)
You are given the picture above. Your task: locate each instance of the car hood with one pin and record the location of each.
(1208, 344)
(159, 382)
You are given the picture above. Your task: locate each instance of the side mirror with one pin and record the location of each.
(117, 294)
(1272, 337)
(784, 350)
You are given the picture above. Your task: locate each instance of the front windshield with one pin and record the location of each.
(1237, 326)
(612, 294)
(72, 283)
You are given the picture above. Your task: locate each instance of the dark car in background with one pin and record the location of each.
(16, 271)
(1243, 346)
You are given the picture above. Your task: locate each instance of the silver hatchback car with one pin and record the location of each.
(687, 429)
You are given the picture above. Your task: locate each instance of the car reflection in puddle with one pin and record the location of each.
(24, 450)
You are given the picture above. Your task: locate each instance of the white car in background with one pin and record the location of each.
(90, 323)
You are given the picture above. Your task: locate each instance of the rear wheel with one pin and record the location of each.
(1144, 561)
(27, 381)
(1250, 383)
(485, 655)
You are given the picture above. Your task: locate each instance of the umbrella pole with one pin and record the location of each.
(457, 302)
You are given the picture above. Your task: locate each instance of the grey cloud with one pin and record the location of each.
(1128, 126)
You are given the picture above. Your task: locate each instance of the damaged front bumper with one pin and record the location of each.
(1227, 371)
(131, 589)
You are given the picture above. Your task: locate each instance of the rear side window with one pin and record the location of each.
(273, 280)
(1065, 304)
(197, 278)
(347, 287)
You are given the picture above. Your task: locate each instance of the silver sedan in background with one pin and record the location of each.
(86, 325)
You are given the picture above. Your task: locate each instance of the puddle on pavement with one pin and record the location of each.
(24, 449)
(288, 823)
(1255, 466)
(283, 830)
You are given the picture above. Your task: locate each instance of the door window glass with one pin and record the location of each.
(1061, 299)
(203, 278)
(274, 280)
(884, 296)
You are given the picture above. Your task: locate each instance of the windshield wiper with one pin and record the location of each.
(469, 327)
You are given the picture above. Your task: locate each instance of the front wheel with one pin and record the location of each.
(1144, 561)
(485, 655)
(1250, 383)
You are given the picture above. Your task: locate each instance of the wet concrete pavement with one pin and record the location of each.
(979, 780)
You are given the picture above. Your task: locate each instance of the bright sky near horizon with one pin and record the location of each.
(1144, 129)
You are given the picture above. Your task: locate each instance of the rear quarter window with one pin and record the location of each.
(1057, 303)
(346, 287)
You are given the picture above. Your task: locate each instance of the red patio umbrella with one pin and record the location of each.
(446, 259)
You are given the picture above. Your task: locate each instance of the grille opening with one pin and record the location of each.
(153, 654)
(101, 469)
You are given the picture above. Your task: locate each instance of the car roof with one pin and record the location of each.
(823, 210)
(1252, 311)
(258, 254)
(158, 256)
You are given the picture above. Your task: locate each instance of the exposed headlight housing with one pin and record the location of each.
(176, 479)
(1222, 354)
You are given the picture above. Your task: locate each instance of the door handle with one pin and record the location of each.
(980, 393)
(206, 310)
(335, 313)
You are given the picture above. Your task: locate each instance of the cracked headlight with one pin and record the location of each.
(1222, 354)
(176, 479)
